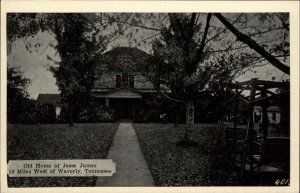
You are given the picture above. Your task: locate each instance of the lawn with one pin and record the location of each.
(174, 165)
(58, 141)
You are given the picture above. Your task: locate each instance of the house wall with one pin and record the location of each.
(108, 80)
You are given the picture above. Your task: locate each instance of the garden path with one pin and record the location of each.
(131, 167)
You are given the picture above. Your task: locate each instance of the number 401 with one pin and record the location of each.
(282, 182)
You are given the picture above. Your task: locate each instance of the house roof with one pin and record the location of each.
(122, 92)
(108, 81)
(126, 50)
(122, 59)
(53, 99)
(125, 58)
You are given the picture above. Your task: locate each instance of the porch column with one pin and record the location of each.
(107, 103)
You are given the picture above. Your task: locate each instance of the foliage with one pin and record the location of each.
(46, 113)
(259, 49)
(176, 72)
(75, 73)
(93, 113)
(178, 60)
(22, 25)
(20, 109)
(185, 56)
(58, 141)
(195, 52)
(16, 82)
(78, 45)
(192, 51)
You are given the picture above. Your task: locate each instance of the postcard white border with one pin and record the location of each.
(161, 6)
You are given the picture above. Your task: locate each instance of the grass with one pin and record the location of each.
(58, 141)
(174, 165)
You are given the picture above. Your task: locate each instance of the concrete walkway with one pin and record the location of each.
(131, 167)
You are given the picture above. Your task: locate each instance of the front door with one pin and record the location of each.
(123, 108)
(126, 110)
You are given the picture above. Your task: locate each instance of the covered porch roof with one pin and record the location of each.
(123, 92)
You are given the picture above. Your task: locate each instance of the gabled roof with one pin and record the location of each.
(135, 53)
(124, 92)
(53, 99)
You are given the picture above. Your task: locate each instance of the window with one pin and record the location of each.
(131, 81)
(118, 81)
(274, 116)
(124, 79)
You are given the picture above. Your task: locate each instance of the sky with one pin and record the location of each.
(35, 65)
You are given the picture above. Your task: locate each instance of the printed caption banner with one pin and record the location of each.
(48, 168)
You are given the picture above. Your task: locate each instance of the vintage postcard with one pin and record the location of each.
(149, 96)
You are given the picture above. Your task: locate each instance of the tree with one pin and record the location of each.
(269, 31)
(207, 52)
(193, 53)
(78, 53)
(252, 44)
(77, 47)
(79, 40)
(20, 108)
(178, 56)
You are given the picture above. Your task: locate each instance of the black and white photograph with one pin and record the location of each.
(148, 99)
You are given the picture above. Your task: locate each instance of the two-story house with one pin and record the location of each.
(122, 87)
(119, 85)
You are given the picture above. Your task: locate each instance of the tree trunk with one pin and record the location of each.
(71, 115)
(176, 114)
(189, 118)
(71, 121)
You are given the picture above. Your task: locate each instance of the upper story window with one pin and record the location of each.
(124, 80)
(118, 81)
(274, 116)
(131, 81)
